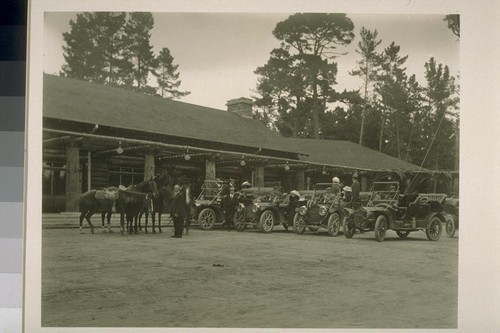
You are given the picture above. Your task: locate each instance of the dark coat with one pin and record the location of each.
(178, 205)
(229, 204)
(356, 189)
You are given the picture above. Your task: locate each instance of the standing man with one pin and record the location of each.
(178, 211)
(355, 188)
(229, 203)
(292, 205)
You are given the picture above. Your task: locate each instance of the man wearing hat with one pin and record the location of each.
(355, 189)
(294, 199)
(336, 186)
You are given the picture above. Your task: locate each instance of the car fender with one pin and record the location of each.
(440, 215)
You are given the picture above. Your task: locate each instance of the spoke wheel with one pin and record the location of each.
(450, 227)
(266, 221)
(206, 219)
(380, 228)
(349, 228)
(403, 233)
(299, 223)
(239, 221)
(434, 229)
(334, 224)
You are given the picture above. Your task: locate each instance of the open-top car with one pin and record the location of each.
(451, 216)
(387, 209)
(261, 207)
(208, 209)
(323, 210)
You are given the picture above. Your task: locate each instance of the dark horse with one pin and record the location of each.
(160, 205)
(129, 204)
(102, 201)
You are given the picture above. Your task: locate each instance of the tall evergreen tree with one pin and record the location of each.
(367, 68)
(308, 45)
(453, 21)
(440, 97)
(109, 44)
(167, 76)
(138, 50)
(80, 49)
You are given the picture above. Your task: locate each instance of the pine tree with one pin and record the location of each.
(138, 50)
(167, 76)
(367, 68)
(80, 49)
(299, 76)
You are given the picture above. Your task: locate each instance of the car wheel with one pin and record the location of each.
(349, 229)
(403, 233)
(450, 227)
(334, 224)
(299, 223)
(239, 221)
(380, 228)
(434, 229)
(206, 219)
(266, 221)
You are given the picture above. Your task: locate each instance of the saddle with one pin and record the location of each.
(107, 193)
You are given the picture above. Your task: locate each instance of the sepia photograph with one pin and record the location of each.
(280, 170)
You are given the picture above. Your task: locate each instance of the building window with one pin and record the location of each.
(125, 176)
(54, 178)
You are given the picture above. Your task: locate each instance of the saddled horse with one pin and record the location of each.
(102, 201)
(97, 201)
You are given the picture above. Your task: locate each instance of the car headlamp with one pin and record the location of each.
(303, 210)
(322, 210)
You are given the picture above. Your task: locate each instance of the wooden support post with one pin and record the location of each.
(210, 169)
(300, 180)
(259, 176)
(149, 165)
(364, 184)
(73, 185)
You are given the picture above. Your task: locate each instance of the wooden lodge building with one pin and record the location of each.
(96, 136)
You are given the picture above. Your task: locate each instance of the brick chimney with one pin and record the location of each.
(241, 106)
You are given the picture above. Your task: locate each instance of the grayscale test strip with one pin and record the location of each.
(12, 115)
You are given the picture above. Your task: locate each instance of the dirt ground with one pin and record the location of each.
(248, 279)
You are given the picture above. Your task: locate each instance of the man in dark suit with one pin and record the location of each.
(178, 211)
(229, 204)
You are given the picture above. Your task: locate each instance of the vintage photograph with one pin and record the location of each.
(250, 170)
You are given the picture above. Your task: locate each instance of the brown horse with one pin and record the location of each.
(95, 201)
(129, 204)
(160, 205)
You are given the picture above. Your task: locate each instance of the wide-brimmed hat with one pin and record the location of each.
(347, 189)
(295, 192)
(335, 180)
(246, 184)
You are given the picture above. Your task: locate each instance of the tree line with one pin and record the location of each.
(391, 112)
(295, 95)
(114, 48)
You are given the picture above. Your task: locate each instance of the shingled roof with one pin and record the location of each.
(84, 102)
(81, 101)
(348, 154)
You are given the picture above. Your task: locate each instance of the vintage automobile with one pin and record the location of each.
(451, 216)
(261, 207)
(387, 209)
(207, 207)
(322, 210)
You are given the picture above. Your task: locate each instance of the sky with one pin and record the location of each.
(217, 53)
